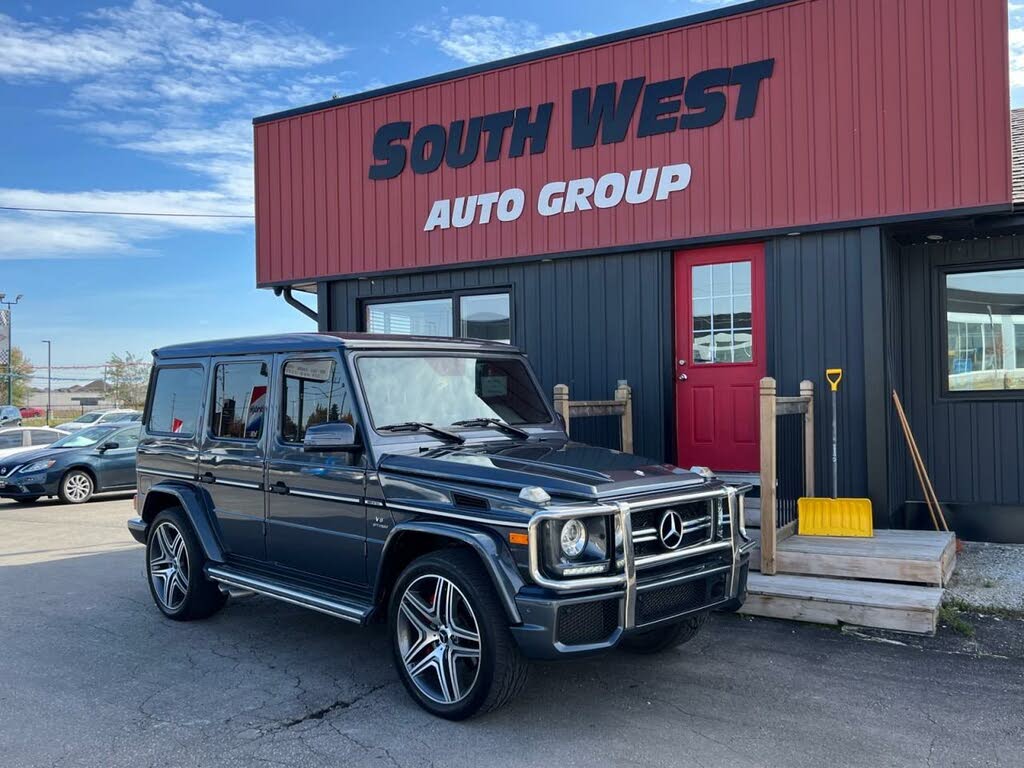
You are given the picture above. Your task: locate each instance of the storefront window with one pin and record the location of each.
(985, 330)
(486, 316)
(722, 313)
(430, 317)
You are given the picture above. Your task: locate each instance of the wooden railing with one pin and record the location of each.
(780, 489)
(621, 406)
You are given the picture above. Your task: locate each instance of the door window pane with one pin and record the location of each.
(486, 317)
(177, 394)
(722, 325)
(315, 392)
(429, 317)
(985, 330)
(239, 400)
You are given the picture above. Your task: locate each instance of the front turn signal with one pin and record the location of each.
(515, 537)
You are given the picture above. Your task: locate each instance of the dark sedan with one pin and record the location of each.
(75, 467)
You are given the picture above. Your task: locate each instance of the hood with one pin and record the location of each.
(560, 468)
(34, 454)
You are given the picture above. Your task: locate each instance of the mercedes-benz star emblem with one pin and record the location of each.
(670, 529)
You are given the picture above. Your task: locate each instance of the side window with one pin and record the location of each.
(10, 440)
(239, 400)
(315, 392)
(127, 438)
(43, 436)
(174, 407)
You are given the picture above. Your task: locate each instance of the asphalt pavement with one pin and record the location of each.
(92, 675)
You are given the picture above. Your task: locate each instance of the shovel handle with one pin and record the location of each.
(833, 376)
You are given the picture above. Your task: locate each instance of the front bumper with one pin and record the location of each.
(17, 486)
(562, 620)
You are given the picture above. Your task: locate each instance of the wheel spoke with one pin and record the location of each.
(168, 589)
(415, 616)
(449, 675)
(425, 641)
(413, 602)
(165, 544)
(179, 581)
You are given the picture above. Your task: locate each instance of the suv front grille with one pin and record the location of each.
(663, 602)
(585, 623)
(698, 519)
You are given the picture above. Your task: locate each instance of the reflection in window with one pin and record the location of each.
(429, 317)
(722, 313)
(486, 317)
(177, 394)
(239, 400)
(985, 330)
(314, 393)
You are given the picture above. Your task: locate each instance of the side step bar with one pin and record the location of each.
(317, 601)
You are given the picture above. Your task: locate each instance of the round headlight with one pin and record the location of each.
(573, 538)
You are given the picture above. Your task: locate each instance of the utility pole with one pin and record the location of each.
(49, 381)
(10, 348)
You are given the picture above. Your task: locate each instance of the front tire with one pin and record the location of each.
(174, 566)
(76, 487)
(449, 634)
(662, 638)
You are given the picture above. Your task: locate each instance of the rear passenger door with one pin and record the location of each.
(316, 521)
(231, 458)
(116, 466)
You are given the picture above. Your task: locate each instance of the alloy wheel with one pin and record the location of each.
(168, 566)
(439, 639)
(77, 487)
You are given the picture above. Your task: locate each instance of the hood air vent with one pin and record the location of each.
(469, 502)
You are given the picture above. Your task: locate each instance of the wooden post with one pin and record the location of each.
(562, 403)
(807, 392)
(768, 476)
(624, 393)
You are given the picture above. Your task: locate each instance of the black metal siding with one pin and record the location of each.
(585, 322)
(974, 449)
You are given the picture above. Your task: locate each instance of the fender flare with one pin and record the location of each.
(196, 504)
(495, 557)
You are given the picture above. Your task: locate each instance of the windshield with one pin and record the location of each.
(442, 390)
(84, 438)
(87, 418)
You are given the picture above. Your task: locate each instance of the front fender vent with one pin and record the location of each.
(467, 501)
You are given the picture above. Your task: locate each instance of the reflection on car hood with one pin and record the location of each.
(561, 468)
(35, 454)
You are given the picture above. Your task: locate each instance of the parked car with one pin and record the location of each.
(428, 484)
(93, 418)
(10, 416)
(75, 467)
(15, 440)
(28, 412)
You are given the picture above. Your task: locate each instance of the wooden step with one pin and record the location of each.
(921, 557)
(900, 607)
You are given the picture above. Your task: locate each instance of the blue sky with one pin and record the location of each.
(146, 106)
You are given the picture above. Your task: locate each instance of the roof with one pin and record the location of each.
(1017, 153)
(590, 42)
(313, 342)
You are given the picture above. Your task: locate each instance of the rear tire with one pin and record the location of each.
(76, 487)
(438, 602)
(662, 638)
(175, 564)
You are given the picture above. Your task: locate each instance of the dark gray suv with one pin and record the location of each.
(428, 484)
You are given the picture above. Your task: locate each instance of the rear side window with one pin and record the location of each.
(43, 436)
(177, 394)
(315, 392)
(239, 400)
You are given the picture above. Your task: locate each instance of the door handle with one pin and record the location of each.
(278, 487)
(207, 477)
(683, 377)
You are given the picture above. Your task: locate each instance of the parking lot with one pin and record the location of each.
(92, 675)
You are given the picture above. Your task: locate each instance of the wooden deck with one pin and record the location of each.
(900, 607)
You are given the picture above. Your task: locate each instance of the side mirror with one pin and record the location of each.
(110, 446)
(334, 436)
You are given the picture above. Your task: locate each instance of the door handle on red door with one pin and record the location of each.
(683, 377)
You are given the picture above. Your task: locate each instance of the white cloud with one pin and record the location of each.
(174, 81)
(475, 39)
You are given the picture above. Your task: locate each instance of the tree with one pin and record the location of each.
(126, 379)
(22, 370)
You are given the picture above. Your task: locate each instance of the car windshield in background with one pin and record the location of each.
(440, 390)
(84, 438)
(87, 418)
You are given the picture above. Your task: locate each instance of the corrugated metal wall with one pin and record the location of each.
(585, 322)
(876, 108)
(974, 450)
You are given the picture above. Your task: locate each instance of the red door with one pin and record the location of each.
(720, 355)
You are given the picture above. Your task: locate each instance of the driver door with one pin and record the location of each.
(116, 466)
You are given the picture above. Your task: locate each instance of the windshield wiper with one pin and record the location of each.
(488, 421)
(415, 426)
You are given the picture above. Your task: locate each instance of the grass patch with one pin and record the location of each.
(951, 614)
(962, 606)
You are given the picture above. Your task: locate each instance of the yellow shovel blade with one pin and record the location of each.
(834, 517)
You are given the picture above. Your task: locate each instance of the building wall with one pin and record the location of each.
(974, 450)
(584, 322)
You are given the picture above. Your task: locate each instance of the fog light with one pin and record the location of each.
(573, 538)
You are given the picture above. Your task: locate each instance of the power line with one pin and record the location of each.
(129, 213)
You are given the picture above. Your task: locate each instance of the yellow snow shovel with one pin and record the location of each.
(834, 517)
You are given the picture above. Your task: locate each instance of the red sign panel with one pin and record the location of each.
(795, 115)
